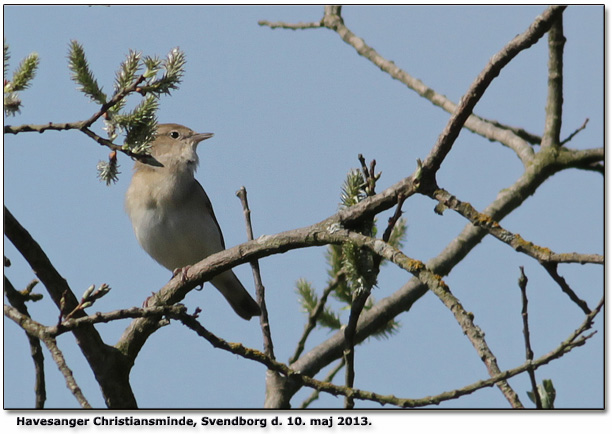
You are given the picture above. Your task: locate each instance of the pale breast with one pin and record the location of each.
(174, 232)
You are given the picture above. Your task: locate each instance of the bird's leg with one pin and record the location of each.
(183, 273)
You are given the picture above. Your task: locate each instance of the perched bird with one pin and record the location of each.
(172, 216)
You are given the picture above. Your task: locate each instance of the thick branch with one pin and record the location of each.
(174, 291)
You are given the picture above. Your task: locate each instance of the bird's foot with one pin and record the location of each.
(145, 303)
(182, 272)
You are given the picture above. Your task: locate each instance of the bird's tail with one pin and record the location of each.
(243, 304)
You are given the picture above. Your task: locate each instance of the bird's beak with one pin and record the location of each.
(198, 137)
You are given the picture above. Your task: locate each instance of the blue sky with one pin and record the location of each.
(290, 111)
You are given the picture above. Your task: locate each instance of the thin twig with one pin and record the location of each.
(545, 256)
(551, 268)
(360, 294)
(394, 218)
(571, 136)
(39, 331)
(259, 287)
(359, 301)
(290, 26)
(83, 126)
(16, 300)
(528, 351)
(328, 378)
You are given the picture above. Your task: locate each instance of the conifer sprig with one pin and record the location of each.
(21, 80)
(82, 75)
(174, 67)
(140, 125)
(355, 265)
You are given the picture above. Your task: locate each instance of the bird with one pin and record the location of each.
(172, 216)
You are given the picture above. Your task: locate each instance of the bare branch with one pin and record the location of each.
(551, 268)
(521, 42)
(401, 301)
(290, 26)
(259, 287)
(328, 379)
(179, 313)
(514, 138)
(522, 282)
(39, 331)
(571, 136)
(554, 102)
(16, 300)
(574, 340)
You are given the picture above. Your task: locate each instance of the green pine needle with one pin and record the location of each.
(329, 319)
(22, 78)
(398, 234)
(82, 74)
(12, 104)
(127, 71)
(7, 56)
(174, 66)
(141, 125)
(386, 331)
(25, 72)
(108, 171)
(309, 300)
(152, 65)
(353, 189)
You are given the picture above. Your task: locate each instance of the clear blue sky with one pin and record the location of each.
(290, 111)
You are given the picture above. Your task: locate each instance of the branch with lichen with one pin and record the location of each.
(574, 340)
(179, 313)
(518, 243)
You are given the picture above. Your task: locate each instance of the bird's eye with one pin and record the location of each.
(174, 134)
